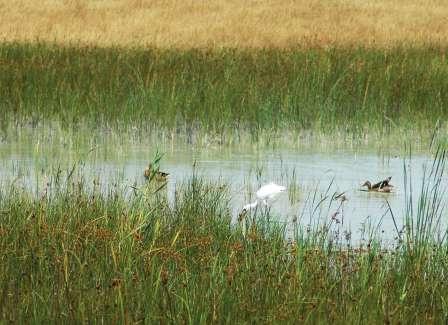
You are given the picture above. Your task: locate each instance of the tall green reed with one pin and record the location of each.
(346, 91)
(424, 214)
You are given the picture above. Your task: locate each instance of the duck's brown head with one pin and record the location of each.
(368, 184)
(148, 171)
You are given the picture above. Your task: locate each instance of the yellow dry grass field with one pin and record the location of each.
(229, 23)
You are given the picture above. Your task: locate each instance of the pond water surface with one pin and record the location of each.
(310, 175)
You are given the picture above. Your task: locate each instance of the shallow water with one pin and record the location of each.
(311, 176)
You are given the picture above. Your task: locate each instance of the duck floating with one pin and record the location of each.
(159, 176)
(384, 186)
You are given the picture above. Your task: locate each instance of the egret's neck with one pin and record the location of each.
(250, 206)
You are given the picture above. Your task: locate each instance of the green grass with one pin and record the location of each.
(89, 255)
(355, 91)
(73, 251)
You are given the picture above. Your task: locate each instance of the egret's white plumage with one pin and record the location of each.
(250, 206)
(264, 194)
(269, 191)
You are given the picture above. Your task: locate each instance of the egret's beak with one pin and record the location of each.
(242, 215)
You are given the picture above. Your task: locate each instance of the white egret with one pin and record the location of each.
(264, 194)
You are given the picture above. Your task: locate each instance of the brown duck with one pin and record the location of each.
(159, 176)
(383, 186)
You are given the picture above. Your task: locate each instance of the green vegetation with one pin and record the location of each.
(77, 250)
(345, 91)
(76, 253)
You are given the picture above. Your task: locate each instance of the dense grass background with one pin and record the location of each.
(216, 24)
(353, 90)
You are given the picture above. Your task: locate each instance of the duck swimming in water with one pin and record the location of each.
(159, 176)
(383, 186)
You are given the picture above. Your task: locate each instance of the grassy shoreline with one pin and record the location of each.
(353, 90)
(73, 254)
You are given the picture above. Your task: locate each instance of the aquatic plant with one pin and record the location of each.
(77, 254)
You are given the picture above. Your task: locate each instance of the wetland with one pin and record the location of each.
(84, 236)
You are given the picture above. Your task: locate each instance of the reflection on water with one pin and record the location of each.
(310, 176)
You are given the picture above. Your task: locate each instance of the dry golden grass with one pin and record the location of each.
(230, 23)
